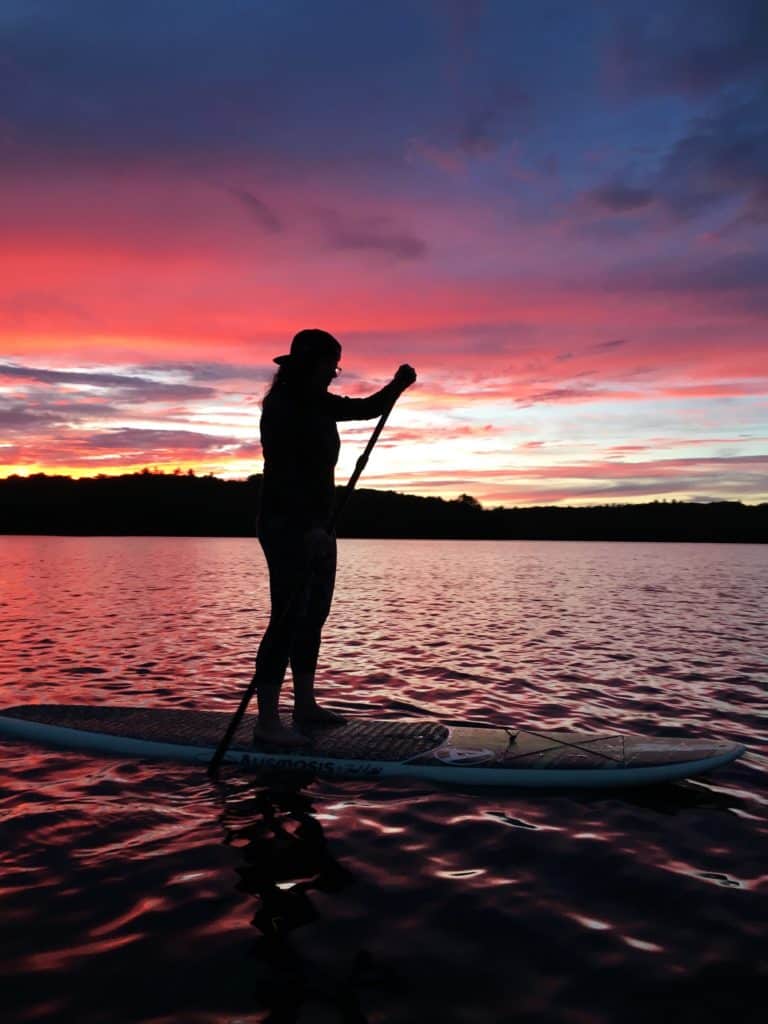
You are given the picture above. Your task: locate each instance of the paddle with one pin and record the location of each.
(237, 718)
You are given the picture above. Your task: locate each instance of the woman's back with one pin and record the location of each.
(300, 444)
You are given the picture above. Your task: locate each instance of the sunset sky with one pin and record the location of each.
(557, 211)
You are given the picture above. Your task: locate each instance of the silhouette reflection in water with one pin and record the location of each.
(285, 859)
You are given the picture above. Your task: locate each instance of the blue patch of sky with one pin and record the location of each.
(338, 81)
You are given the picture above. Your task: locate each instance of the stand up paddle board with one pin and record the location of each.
(364, 748)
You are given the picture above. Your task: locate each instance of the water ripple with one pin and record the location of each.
(139, 892)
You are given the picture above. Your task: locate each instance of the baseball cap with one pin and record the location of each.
(311, 344)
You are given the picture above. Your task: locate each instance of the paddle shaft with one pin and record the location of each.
(360, 465)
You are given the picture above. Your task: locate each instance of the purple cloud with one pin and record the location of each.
(262, 214)
(132, 438)
(135, 388)
(691, 47)
(376, 233)
(620, 197)
(719, 166)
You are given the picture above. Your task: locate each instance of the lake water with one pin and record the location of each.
(139, 892)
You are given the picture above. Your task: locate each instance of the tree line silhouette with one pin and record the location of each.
(177, 504)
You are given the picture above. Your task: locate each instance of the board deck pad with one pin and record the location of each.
(363, 747)
(359, 739)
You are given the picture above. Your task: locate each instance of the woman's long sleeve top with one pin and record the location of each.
(300, 443)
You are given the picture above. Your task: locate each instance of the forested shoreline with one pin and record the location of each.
(175, 504)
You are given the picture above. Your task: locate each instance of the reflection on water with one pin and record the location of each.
(285, 859)
(132, 891)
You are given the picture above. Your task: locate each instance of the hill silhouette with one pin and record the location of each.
(176, 504)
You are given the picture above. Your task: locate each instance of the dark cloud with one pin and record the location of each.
(157, 442)
(688, 487)
(620, 197)
(375, 233)
(689, 46)
(603, 346)
(732, 272)
(713, 52)
(724, 158)
(20, 416)
(743, 276)
(133, 388)
(584, 394)
(719, 166)
(615, 228)
(14, 417)
(259, 211)
(481, 122)
(493, 120)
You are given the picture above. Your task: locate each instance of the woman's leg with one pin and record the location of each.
(305, 644)
(287, 580)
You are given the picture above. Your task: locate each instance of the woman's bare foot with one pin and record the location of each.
(279, 735)
(315, 715)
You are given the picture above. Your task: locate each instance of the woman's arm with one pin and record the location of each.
(342, 408)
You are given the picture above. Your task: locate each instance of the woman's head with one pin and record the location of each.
(312, 362)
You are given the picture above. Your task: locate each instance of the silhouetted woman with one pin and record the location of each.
(300, 443)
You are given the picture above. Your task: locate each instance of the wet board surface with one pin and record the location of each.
(462, 753)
